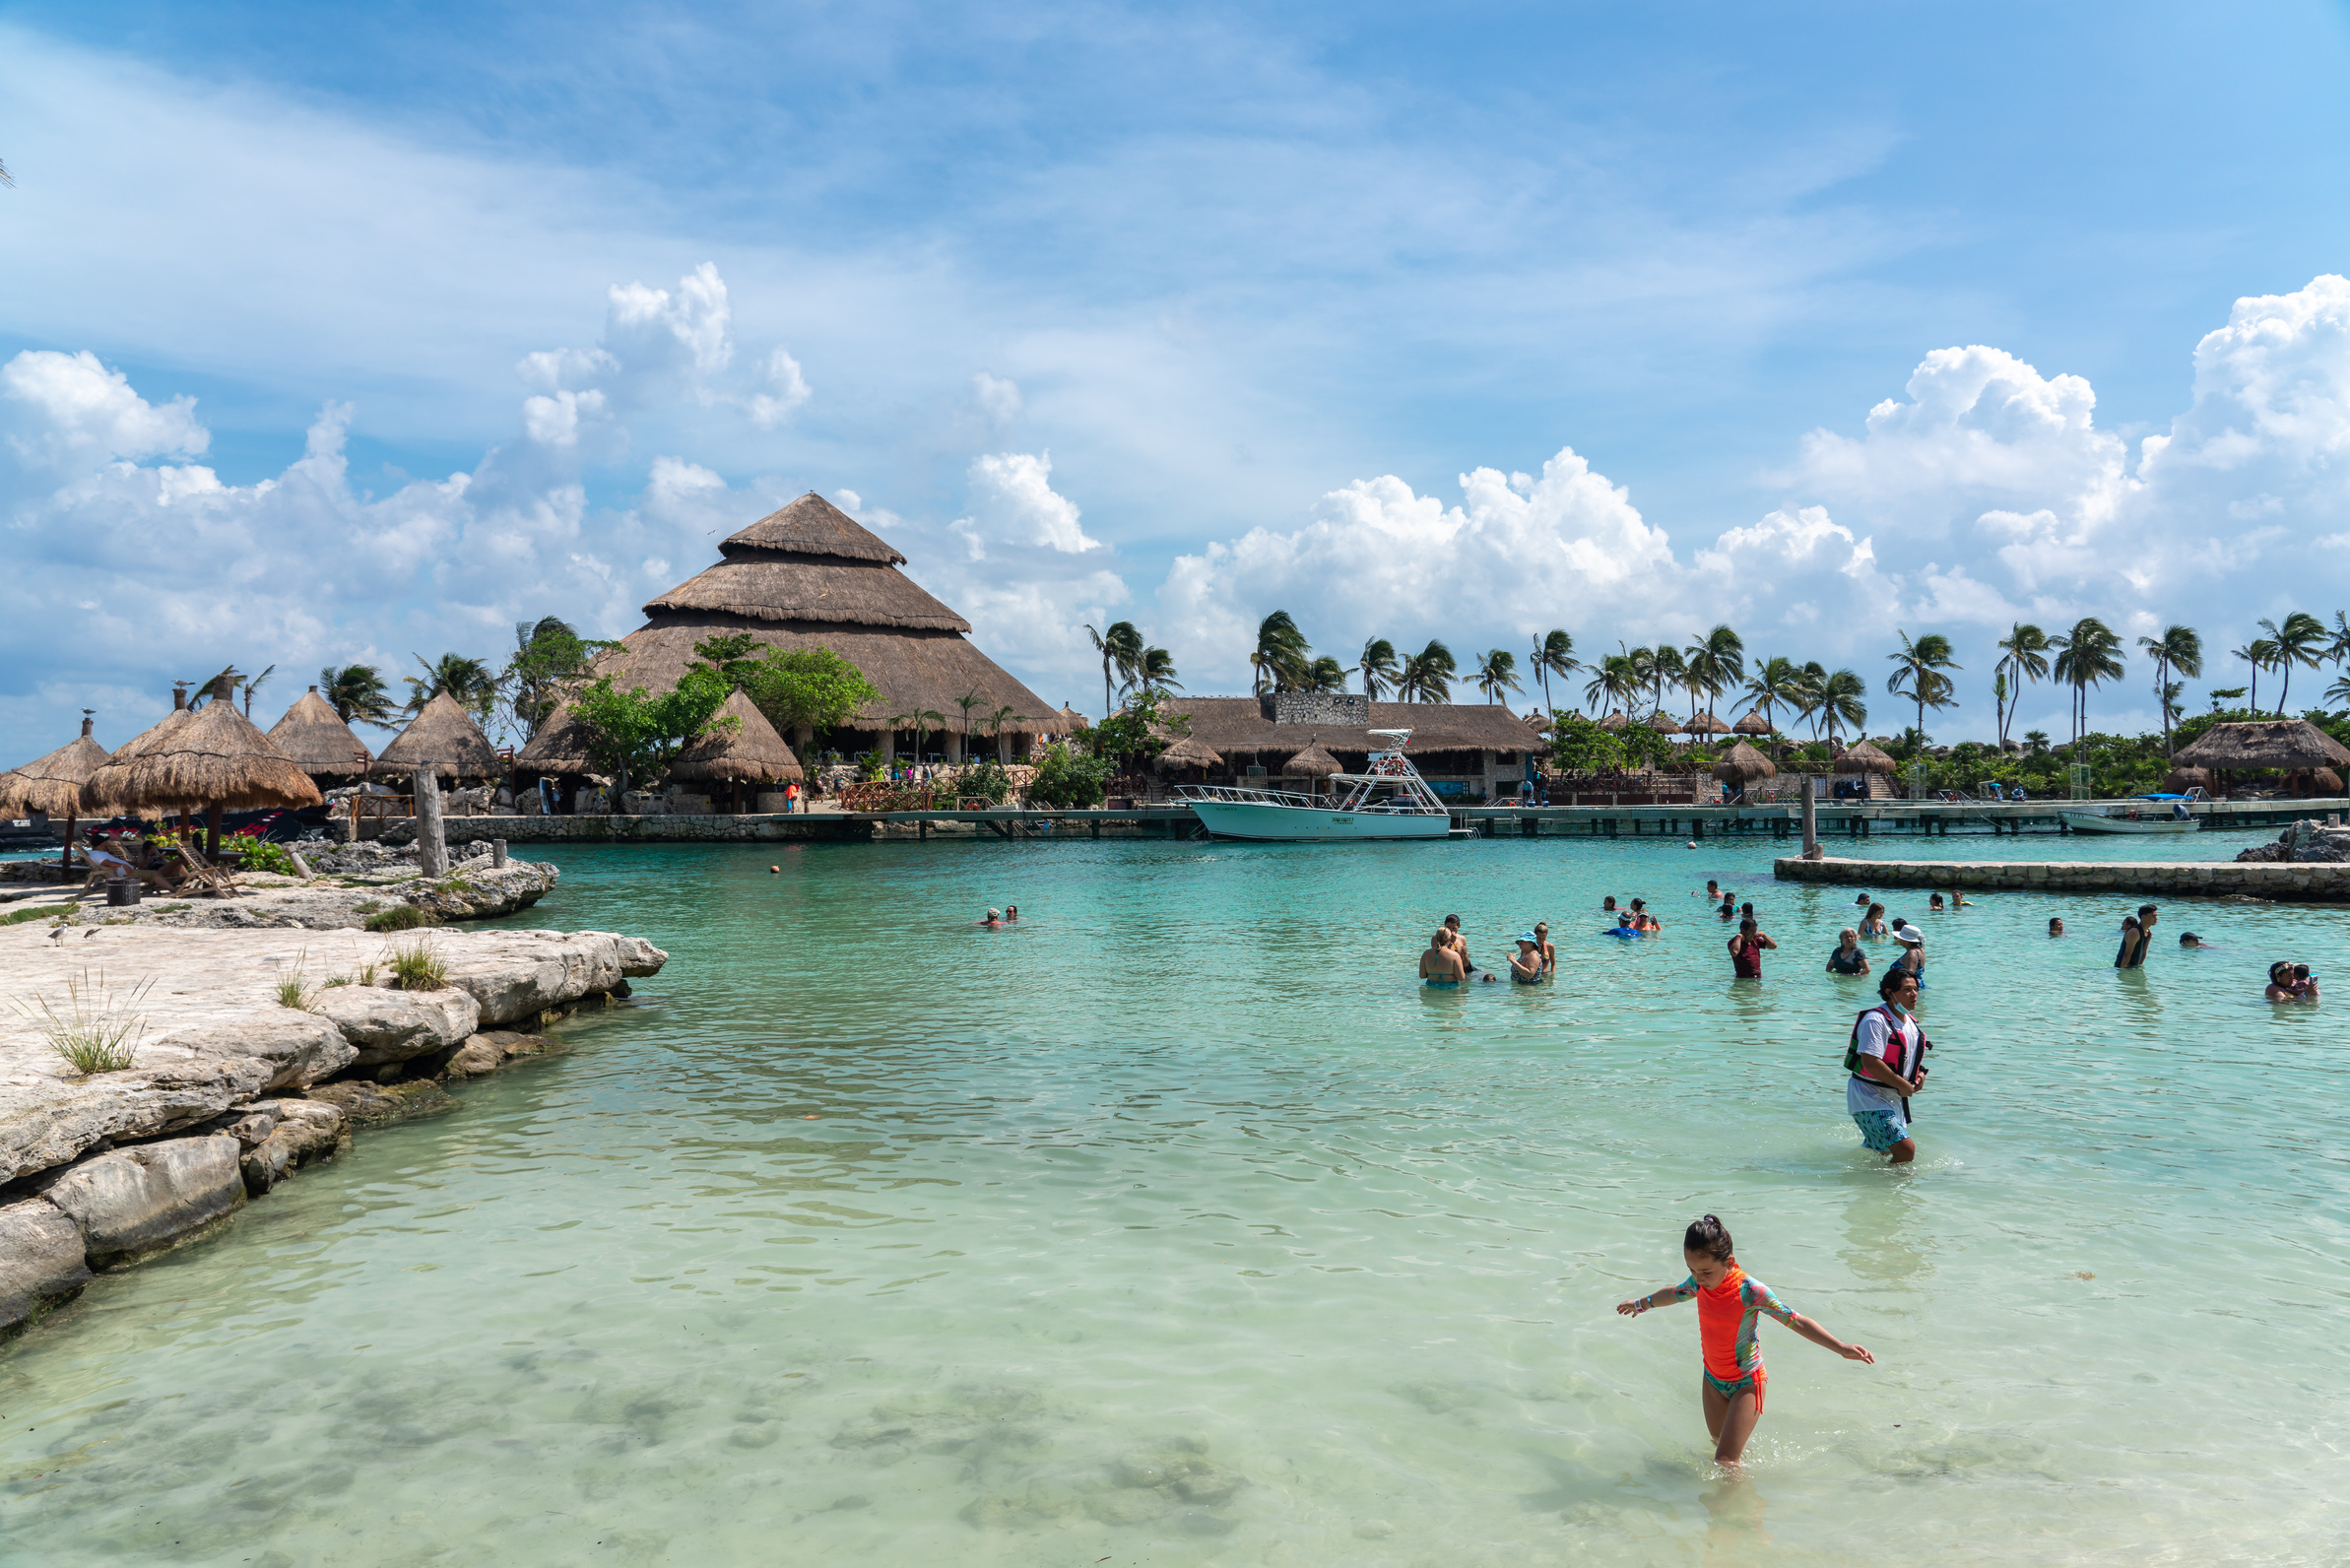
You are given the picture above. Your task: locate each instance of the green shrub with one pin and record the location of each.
(1065, 782)
(418, 968)
(261, 854)
(400, 917)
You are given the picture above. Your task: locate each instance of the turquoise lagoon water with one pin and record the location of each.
(1179, 1226)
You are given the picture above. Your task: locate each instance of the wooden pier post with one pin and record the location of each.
(1810, 819)
(433, 843)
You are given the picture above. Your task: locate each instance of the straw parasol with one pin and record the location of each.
(750, 753)
(1863, 757)
(1744, 765)
(2324, 781)
(322, 745)
(2183, 779)
(444, 739)
(51, 785)
(1705, 724)
(2295, 745)
(215, 759)
(1614, 721)
(1752, 723)
(1190, 751)
(1664, 723)
(101, 793)
(1070, 720)
(1312, 762)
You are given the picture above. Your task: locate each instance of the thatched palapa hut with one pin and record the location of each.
(1752, 723)
(748, 752)
(1864, 756)
(322, 745)
(811, 576)
(1705, 724)
(2288, 746)
(1664, 723)
(1188, 752)
(445, 739)
(1312, 764)
(103, 794)
(2182, 779)
(51, 785)
(1617, 721)
(1744, 765)
(215, 759)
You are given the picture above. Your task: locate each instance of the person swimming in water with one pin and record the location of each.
(1549, 953)
(1746, 950)
(1623, 927)
(1607, 904)
(1440, 966)
(1873, 923)
(1641, 918)
(1848, 957)
(2188, 938)
(991, 919)
(1730, 1306)
(1526, 965)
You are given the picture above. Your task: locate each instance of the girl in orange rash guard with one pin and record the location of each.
(1729, 1305)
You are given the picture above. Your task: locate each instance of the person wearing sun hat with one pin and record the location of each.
(1912, 948)
(1526, 964)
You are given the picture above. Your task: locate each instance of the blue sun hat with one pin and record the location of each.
(1529, 939)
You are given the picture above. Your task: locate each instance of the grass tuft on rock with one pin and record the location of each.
(98, 1030)
(418, 968)
(400, 917)
(297, 993)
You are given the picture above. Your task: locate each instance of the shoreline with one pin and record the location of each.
(232, 1090)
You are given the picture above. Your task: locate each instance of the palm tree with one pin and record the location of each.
(1717, 663)
(2178, 648)
(1553, 655)
(357, 691)
(1280, 657)
(2340, 692)
(1326, 674)
(1379, 667)
(2023, 654)
(1497, 672)
(2088, 655)
(1120, 647)
(2302, 640)
(1155, 670)
(1840, 702)
(1918, 672)
(1774, 680)
(1614, 681)
(1811, 684)
(2337, 647)
(2037, 740)
(2257, 653)
(1428, 675)
(1666, 667)
(469, 684)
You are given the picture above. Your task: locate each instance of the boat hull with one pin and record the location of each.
(1270, 823)
(2084, 823)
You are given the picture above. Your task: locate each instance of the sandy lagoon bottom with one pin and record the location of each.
(1176, 1227)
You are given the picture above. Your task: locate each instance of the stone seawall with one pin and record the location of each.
(231, 1089)
(2288, 883)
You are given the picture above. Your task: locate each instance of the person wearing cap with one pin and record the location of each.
(994, 918)
(1526, 965)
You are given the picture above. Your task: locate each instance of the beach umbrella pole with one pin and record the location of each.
(212, 832)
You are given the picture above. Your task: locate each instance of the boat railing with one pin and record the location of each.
(1243, 796)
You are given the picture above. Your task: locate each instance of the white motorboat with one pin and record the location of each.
(1388, 800)
(2133, 823)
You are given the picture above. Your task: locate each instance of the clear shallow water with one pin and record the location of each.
(1178, 1225)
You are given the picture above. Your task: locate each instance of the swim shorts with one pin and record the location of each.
(1881, 1129)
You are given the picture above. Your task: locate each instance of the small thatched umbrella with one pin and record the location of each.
(444, 739)
(322, 745)
(1705, 724)
(1188, 752)
(1744, 765)
(1863, 757)
(1664, 723)
(2324, 781)
(102, 794)
(1617, 721)
(215, 759)
(1312, 764)
(1072, 720)
(2183, 779)
(52, 785)
(1752, 723)
(747, 752)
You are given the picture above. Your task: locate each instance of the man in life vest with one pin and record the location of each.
(1885, 1061)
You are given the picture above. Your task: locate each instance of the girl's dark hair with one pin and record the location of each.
(1891, 980)
(1709, 1236)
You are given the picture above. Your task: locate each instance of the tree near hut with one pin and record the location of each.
(1120, 647)
(1776, 682)
(1380, 670)
(1553, 655)
(1918, 672)
(636, 734)
(1585, 747)
(1840, 702)
(1326, 674)
(1280, 655)
(2302, 640)
(1497, 672)
(1716, 663)
(1428, 675)
(799, 691)
(1067, 780)
(357, 691)
(1614, 681)
(1131, 736)
(1157, 671)
(2023, 658)
(2178, 649)
(548, 655)
(469, 683)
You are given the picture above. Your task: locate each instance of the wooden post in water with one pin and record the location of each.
(432, 844)
(1810, 819)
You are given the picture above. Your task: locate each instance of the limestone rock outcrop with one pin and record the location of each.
(387, 1027)
(41, 1262)
(298, 1048)
(130, 1202)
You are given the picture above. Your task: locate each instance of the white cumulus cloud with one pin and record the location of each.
(1016, 501)
(78, 410)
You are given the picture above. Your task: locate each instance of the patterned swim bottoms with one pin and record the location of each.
(1881, 1129)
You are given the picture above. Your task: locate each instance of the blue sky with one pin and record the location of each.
(1172, 314)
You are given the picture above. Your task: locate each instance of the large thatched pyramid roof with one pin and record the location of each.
(52, 784)
(322, 745)
(809, 576)
(445, 739)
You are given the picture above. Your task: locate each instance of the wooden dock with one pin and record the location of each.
(2278, 882)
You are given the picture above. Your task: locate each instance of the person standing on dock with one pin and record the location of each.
(1746, 950)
